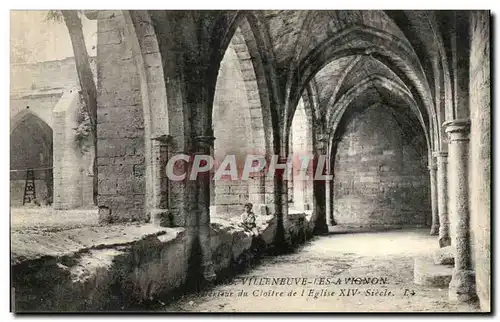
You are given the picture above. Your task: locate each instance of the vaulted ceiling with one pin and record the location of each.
(296, 36)
(404, 54)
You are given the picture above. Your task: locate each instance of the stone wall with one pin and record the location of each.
(40, 85)
(72, 164)
(36, 88)
(43, 76)
(131, 267)
(120, 131)
(97, 268)
(380, 179)
(39, 104)
(480, 153)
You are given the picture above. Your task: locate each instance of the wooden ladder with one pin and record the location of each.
(29, 187)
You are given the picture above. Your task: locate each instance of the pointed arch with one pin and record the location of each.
(391, 51)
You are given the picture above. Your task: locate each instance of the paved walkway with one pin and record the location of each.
(354, 272)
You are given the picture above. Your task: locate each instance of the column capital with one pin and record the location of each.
(322, 141)
(322, 136)
(209, 139)
(440, 154)
(458, 130)
(204, 143)
(163, 139)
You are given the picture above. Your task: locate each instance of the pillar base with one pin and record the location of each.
(444, 235)
(444, 241)
(434, 230)
(320, 228)
(160, 217)
(445, 256)
(426, 272)
(462, 286)
(209, 272)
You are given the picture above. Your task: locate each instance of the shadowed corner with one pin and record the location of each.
(195, 280)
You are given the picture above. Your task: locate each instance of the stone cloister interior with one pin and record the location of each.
(398, 103)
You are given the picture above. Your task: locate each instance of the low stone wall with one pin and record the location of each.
(95, 268)
(123, 267)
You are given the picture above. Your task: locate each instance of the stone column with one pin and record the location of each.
(290, 200)
(329, 194)
(442, 193)
(319, 187)
(159, 203)
(204, 145)
(330, 184)
(434, 197)
(328, 200)
(462, 285)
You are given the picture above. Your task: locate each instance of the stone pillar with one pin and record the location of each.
(442, 193)
(328, 200)
(280, 201)
(301, 189)
(159, 212)
(434, 197)
(319, 186)
(329, 193)
(281, 194)
(204, 145)
(330, 184)
(462, 285)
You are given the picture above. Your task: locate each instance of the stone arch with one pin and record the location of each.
(341, 79)
(22, 115)
(31, 144)
(250, 57)
(235, 133)
(435, 43)
(146, 52)
(319, 188)
(335, 114)
(443, 99)
(391, 51)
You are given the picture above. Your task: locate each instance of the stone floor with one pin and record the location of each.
(44, 218)
(387, 256)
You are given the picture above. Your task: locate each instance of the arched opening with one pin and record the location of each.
(239, 131)
(378, 45)
(359, 62)
(156, 111)
(31, 148)
(300, 188)
(379, 152)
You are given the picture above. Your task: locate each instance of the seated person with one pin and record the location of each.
(248, 220)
